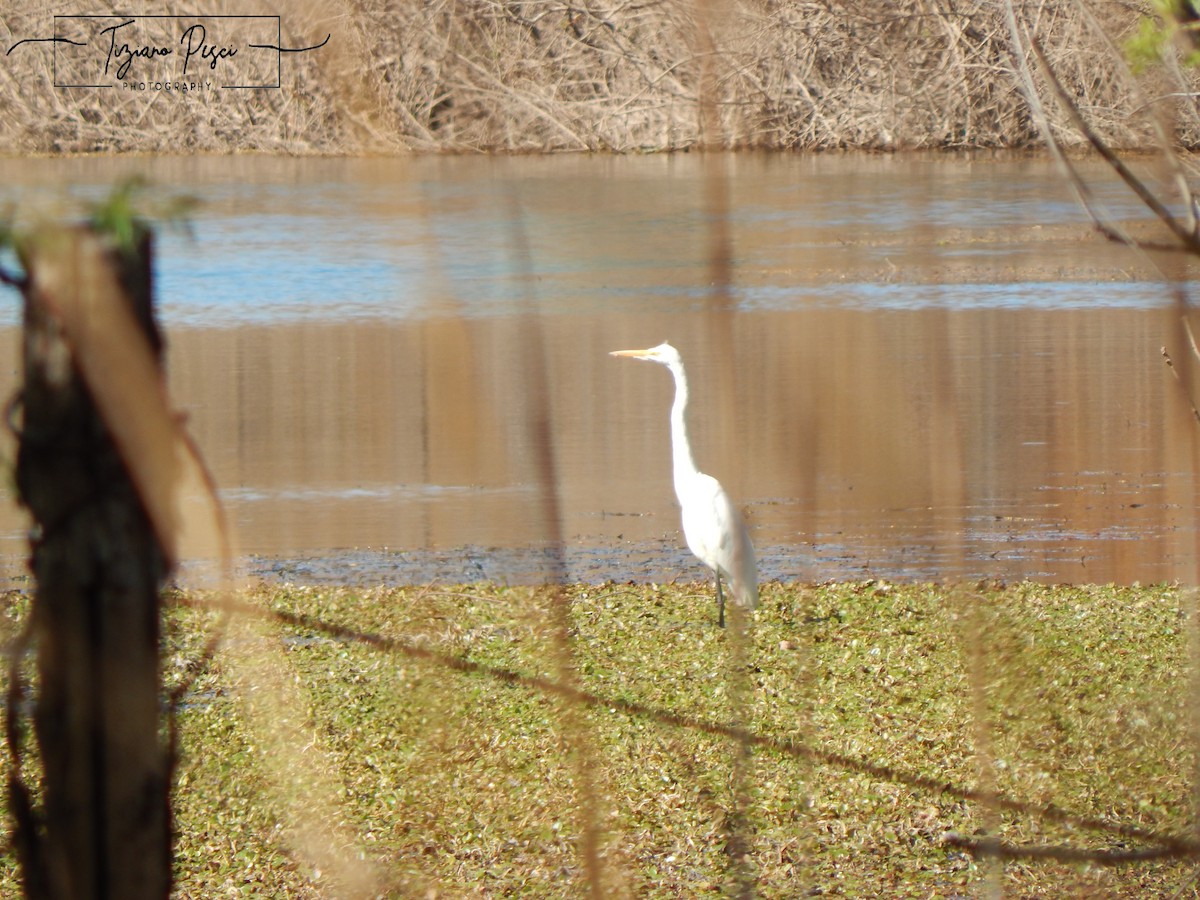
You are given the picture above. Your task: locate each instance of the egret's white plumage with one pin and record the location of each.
(712, 526)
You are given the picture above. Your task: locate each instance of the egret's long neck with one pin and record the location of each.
(681, 450)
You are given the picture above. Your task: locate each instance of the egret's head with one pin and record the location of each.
(664, 353)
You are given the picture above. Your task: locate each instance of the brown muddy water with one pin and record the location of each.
(903, 367)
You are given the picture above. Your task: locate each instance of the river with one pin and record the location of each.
(903, 367)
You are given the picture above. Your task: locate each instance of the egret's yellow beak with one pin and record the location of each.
(640, 354)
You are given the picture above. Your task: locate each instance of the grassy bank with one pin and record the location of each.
(487, 75)
(457, 742)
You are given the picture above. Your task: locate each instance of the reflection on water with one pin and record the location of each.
(920, 368)
(335, 238)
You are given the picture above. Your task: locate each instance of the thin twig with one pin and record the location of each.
(545, 464)
(1179, 380)
(1187, 330)
(1083, 193)
(1166, 148)
(1186, 237)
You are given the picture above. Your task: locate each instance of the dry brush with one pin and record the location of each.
(594, 75)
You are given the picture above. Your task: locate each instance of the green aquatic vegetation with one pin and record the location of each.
(879, 719)
(126, 213)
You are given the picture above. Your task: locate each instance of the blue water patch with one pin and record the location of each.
(331, 240)
(1018, 295)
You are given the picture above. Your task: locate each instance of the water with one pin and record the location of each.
(904, 367)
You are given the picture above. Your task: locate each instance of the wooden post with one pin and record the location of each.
(102, 829)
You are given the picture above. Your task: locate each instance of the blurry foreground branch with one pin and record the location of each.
(100, 552)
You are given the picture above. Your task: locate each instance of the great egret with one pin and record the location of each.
(712, 526)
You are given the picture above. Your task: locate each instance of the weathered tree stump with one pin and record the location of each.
(102, 826)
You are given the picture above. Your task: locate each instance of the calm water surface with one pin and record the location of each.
(904, 367)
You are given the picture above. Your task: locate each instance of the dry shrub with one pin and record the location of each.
(491, 75)
(546, 75)
(36, 117)
(534, 76)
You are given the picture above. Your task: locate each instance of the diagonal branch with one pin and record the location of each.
(1187, 237)
(1083, 193)
(1135, 184)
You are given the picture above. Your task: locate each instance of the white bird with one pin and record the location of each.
(712, 526)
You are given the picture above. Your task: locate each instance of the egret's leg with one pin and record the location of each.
(720, 604)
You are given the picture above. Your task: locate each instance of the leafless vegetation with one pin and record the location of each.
(547, 75)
